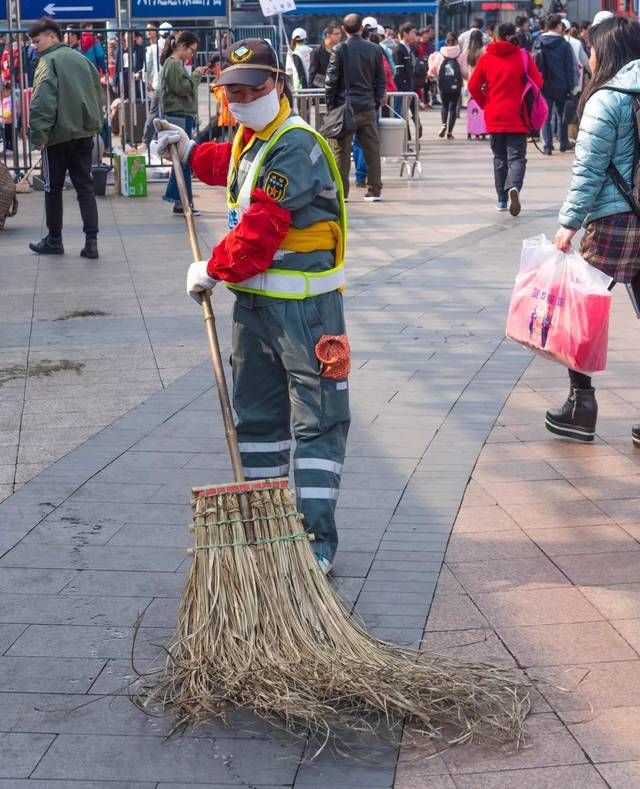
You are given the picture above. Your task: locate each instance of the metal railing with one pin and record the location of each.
(310, 104)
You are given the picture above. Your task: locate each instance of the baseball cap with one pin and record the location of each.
(566, 24)
(380, 30)
(300, 33)
(601, 16)
(250, 61)
(165, 29)
(370, 22)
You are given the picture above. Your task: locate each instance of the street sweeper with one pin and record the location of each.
(283, 256)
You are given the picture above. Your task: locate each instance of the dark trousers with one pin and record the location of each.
(154, 111)
(509, 162)
(450, 109)
(367, 131)
(73, 157)
(547, 130)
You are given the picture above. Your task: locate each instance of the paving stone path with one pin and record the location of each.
(521, 522)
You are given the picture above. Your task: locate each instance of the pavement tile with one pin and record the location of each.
(523, 470)
(20, 753)
(85, 641)
(569, 643)
(602, 487)
(31, 784)
(486, 545)
(629, 629)
(558, 513)
(98, 757)
(454, 612)
(548, 744)
(609, 735)
(621, 775)
(491, 518)
(600, 466)
(582, 540)
(556, 491)
(37, 674)
(574, 777)
(472, 645)
(621, 510)
(508, 574)
(536, 607)
(601, 568)
(589, 687)
(9, 634)
(616, 601)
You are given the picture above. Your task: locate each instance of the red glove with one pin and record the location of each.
(210, 162)
(249, 248)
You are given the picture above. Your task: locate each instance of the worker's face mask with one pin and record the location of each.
(258, 113)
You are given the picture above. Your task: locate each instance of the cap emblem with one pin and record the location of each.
(241, 55)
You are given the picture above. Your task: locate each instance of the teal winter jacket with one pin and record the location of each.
(607, 134)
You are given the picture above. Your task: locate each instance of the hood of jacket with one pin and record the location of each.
(628, 78)
(503, 49)
(451, 52)
(551, 40)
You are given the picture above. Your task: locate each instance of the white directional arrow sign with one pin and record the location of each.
(52, 8)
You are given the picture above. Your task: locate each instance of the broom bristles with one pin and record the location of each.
(260, 627)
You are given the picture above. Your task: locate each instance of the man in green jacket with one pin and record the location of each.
(66, 114)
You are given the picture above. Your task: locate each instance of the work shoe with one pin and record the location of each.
(324, 564)
(442, 133)
(48, 246)
(514, 202)
(373, 195)
(179, 211)
(576, 418)
(90, 249)
(501, 205)
(635, 436)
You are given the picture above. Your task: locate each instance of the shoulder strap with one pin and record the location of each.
(524, 57)
(626, 189)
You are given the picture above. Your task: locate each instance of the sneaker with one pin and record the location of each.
(635, 436)
(373, 195)
(90, 249)
(48, 246)
(324, 564)
(361, 184)
(547, 151)
(514, 202)
(442, 133)
(501, 205)
(569, 147)
(450, 137)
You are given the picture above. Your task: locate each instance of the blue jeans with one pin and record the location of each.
(547, 130)
(359, 161)
(172, 195)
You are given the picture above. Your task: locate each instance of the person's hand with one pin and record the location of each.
(563, 238)
(384, 100)
(202, 70)
(170, 134)
(198, 280)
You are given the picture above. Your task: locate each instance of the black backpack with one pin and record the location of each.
(450, 76)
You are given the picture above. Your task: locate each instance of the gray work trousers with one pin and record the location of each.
(367, 131)
(277, 385)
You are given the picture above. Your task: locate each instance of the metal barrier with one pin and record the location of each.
(311, 106)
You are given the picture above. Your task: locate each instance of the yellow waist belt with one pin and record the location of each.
(320, 236)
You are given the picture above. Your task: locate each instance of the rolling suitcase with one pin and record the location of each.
(475, 121)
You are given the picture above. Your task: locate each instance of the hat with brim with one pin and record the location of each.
(249, 62)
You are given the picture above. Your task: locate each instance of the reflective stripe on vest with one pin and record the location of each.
(280, 283)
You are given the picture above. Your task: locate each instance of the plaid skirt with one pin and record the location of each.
(612, 244)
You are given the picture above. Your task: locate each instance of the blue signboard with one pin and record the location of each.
(178, 9)
(68, 10)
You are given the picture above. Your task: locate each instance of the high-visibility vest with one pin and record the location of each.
(282, 283)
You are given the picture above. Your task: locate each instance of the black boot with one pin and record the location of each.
(90, 249)
(635, 436)
(577, 417)
(48, 246)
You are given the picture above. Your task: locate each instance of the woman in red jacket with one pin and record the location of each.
(496, 85)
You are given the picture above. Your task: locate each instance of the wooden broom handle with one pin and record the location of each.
(210, 326)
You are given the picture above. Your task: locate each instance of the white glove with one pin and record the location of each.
(198, 280)
(170, 134)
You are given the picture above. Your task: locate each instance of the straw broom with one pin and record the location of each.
(23, 186)
(260, 627)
